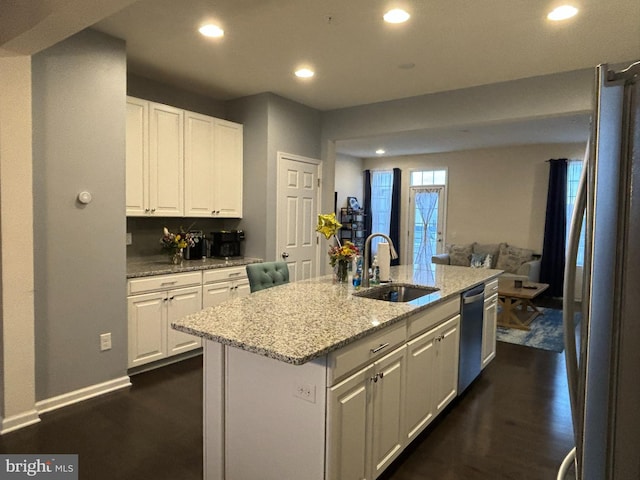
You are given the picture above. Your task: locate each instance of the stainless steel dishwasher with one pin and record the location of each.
(471, 323)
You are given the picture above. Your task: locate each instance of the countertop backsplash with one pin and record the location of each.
(146, 231)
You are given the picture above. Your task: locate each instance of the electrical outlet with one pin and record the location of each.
(305, 391)
(129, 238)
(105, 341)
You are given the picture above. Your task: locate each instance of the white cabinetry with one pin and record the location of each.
(213, 167)
(223, 284)
(153, 303)
(432, 374)
(366, 409)
(155, 162)
(490, 321)
(182, 163)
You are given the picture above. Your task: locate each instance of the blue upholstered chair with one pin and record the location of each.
(267, 275)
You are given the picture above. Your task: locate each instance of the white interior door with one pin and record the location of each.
(297, 204)
(426, 223)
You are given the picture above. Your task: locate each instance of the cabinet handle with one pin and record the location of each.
(374, 379)
(153, 210)
(169, 283)
(171, 298)
(146, 210)
(235, 274)
(381, 374)
(379, 347)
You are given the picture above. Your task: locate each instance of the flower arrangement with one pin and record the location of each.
(340, 256)
(176, 241)
(346, 253)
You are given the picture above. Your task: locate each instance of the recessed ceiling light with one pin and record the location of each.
(396, 15)
(380, 151)
(562, 13)
(211, 30)
(304, 73)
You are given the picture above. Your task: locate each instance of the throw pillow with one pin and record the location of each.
(477, 260)
(492, 249)
(511, 258)
(488, 261)
(460, 255)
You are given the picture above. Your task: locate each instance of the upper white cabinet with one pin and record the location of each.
(213, 167)
(155, 161)
(181, 163)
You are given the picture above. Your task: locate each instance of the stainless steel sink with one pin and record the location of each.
(396, 292)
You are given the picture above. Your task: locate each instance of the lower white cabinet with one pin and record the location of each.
(365, 415)
(150, 315)
(490, 322)
(432, 375)
(224, 284)
(155, 302)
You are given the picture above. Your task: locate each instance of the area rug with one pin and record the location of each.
(546, 332)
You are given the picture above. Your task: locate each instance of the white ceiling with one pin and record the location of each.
(358, 58)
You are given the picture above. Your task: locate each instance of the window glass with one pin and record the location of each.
(428, 177)
(574, 170)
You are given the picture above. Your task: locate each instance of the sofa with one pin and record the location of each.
(517, 263)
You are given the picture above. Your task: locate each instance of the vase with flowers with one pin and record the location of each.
(174, 243)
(340, 255)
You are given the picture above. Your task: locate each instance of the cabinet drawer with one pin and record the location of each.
(220, 274)
(353, 356)
(163, 282)
(434, 315)
(491, 288)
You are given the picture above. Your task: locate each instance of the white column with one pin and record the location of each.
(17, 349)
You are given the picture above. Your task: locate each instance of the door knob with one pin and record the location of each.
(285, 255)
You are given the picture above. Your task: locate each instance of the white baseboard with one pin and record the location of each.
(16, 422)
(86, 393)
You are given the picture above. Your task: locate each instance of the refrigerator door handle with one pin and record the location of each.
(570, 351)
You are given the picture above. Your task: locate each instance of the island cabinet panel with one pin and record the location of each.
(274, 418)
(349, 417)
(490, 322)
(365, 417)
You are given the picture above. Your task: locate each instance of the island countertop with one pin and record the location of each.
(301, 321)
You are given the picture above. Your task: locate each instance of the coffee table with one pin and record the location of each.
(517, 311)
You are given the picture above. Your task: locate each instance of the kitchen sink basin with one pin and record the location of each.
(396, 292)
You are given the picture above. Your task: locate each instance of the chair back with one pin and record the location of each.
(267, 275)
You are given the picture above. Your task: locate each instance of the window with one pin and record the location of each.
(381, 190)
(428, 177)
(574, 170)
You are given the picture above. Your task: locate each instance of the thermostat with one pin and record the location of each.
(84, 197)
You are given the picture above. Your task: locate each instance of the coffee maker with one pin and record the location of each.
(226, 243)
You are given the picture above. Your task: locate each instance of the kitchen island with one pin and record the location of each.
(308, 380)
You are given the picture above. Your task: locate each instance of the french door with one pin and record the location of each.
(426, 223)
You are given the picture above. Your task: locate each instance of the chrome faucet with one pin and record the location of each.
(367, 254)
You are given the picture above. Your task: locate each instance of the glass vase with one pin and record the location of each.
(341, 271)
(175, 257)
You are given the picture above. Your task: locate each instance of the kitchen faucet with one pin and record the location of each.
(367, 254)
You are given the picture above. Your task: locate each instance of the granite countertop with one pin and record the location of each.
(301, 321)
(159, 265)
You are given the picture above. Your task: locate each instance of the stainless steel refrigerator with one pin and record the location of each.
(603, 364)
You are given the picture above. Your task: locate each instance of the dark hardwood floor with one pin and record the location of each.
(512, 423)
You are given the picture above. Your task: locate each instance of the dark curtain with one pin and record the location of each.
(555, 229)
(394, 228)
(367, 204)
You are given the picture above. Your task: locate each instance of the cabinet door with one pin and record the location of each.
(147, 324)
(388, 409)
(419, 409)
(137, 157)
(348, 419)
(489, 329)
(215, 293)
(198, 165)
(228, 169)
(242, 288)
(446, 363)
(166, 160)
(182, 302)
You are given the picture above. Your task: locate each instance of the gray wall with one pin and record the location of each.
(79, 88)
(272, 124)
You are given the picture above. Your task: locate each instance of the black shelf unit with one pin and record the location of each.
(352, 226)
